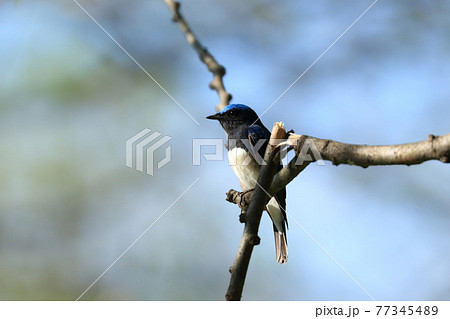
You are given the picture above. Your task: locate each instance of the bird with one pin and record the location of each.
(247, 142)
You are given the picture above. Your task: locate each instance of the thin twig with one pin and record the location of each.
(213, 66)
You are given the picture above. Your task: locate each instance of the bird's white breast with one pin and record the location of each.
(244, 166)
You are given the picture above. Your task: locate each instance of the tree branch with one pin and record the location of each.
(259, 199)
(434, 148)
(213, 66)
(253, 203)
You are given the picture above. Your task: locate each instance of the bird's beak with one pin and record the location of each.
(216, 116)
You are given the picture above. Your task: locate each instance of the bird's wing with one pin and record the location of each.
(258, 137)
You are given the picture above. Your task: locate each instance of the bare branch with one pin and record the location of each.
(253, 214)
(434, 148)
(213, 66)
(253, 203)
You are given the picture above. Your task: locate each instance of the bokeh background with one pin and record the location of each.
(70, 98)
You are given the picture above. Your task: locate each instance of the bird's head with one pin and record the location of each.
(235, 115)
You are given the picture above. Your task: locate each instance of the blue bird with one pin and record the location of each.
(247, 142)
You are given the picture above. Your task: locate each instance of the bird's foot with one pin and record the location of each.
(245, 199)
(242, 199)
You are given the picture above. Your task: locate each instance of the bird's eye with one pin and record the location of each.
(232, 113)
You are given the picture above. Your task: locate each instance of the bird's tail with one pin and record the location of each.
(281, 248)
(278, 216)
